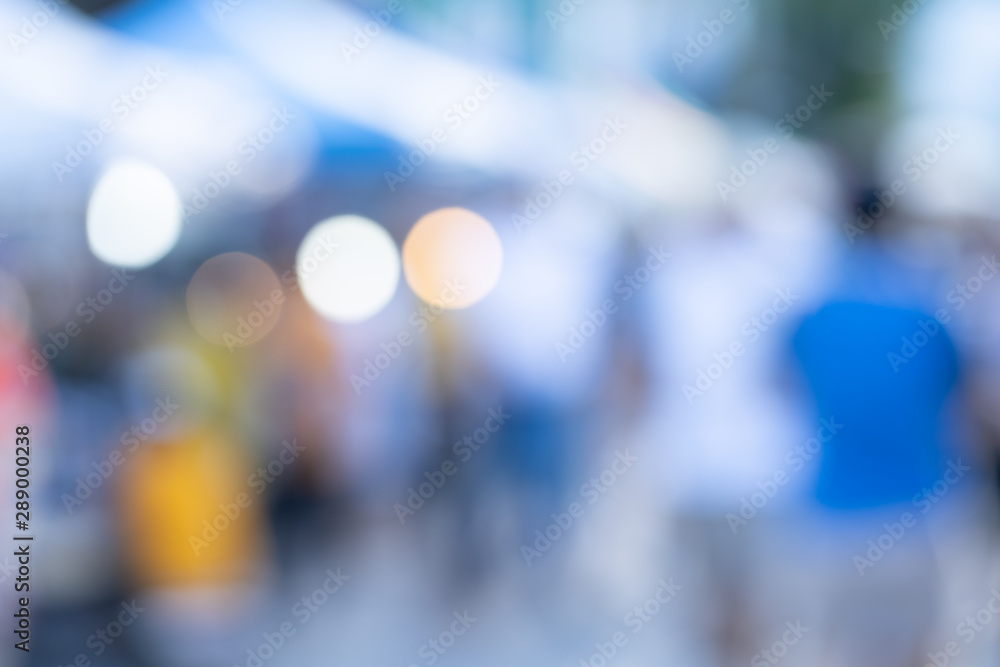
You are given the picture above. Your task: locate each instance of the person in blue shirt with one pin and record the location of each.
(885, 372)
(877, 360)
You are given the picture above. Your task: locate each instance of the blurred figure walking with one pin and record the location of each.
(878, 360)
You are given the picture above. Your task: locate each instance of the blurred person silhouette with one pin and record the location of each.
(511, 452)
(545, 378)
(310, 508)
(719, 421)
(878, 361)
(192, 531)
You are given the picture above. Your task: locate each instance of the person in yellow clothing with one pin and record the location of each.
(187, 513)
(194, 541)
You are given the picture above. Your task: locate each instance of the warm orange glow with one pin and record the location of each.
(452, 257)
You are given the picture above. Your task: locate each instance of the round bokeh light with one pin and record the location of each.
(234, 300)
(134, 215)
(452, 257)
(348, 268)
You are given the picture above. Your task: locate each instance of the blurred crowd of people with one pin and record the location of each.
(680, 428)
